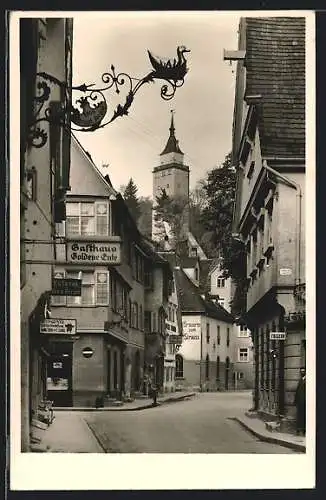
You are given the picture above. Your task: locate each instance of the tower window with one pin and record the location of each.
(167, 186)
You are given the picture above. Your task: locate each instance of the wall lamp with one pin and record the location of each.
(88, 110)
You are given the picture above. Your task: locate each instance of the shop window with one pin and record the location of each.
(178, 366)
(88, 219)
(243, 355)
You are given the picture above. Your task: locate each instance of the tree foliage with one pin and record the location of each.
(216, 219)
(130, 197)
(173, 210)
(145, 217)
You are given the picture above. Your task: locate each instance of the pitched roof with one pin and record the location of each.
(172, 146)
(275, 63)
(188, 262)
(192, 302)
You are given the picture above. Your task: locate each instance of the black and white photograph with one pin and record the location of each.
(159, 316)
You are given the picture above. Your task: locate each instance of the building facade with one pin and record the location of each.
(269, 154)
(117, 322)
(45, 47)
(205, 358)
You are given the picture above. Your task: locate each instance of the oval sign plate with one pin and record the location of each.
(87, 352)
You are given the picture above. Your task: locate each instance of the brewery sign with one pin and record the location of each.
(95, 252)
(59, 326)
(66, 286)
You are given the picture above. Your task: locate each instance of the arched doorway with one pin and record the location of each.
(178, 366)
(227, 371)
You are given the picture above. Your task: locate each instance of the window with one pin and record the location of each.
(178, 366)
(147, 321)
(207, 333)
(95, 289)
(227, 337)
(243, 332)
(207, 367)
(243, 354)
(194, 252)
(220, 282)
(218, 335)
(217, 368)
(87, 218)
(141, 318)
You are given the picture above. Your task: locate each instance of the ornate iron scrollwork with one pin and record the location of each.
(90, 111)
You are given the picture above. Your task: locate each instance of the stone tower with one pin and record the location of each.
(172, 175)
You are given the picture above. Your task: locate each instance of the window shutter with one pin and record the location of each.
(58, 300)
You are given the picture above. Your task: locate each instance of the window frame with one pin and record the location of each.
(63, 300)
(95, 216)
(240, 354)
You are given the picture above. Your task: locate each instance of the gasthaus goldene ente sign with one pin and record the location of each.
(94, 253)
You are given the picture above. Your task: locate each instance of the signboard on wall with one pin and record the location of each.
(59, 326)
(95, 253)
(66, 286)
(191, 330)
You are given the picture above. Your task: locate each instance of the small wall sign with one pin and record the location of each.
(285, 271)
(277, 335)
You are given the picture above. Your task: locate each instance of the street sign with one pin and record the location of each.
(59, 326)
(277, 335)
(175, 339)
(66, 286)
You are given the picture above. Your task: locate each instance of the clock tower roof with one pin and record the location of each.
(172, 146)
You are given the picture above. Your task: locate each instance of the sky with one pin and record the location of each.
(203, 106)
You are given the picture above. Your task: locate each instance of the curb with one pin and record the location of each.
(271, 439)
(117, 408)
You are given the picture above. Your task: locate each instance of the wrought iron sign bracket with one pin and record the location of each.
(90, 111)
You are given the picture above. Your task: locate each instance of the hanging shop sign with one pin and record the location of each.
(59, 326)
(95, 253)
(66, 286)
(277, 335)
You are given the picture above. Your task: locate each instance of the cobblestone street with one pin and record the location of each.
(202, 424)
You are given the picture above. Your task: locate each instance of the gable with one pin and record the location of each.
(85, 178)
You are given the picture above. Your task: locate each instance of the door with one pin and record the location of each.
(59, 375)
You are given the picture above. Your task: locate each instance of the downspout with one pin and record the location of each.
(297, 187)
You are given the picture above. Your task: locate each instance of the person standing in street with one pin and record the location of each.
(300, 403)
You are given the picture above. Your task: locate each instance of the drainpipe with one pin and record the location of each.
(297, 187)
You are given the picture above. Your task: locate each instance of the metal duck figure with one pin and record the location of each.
(174, 70)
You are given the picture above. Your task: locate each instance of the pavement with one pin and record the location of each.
(136, 404)
(258, 428)
(199, 423)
